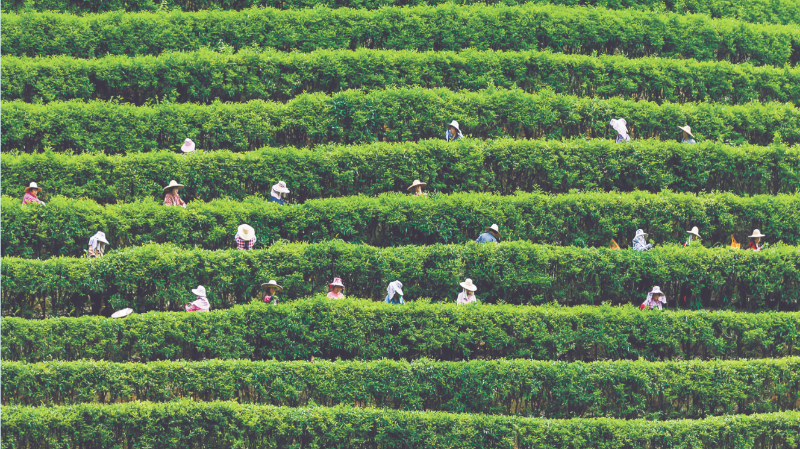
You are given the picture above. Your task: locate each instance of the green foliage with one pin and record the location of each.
(393, 115)
(63, 226)
(159, 277)
(442, 27)
(206, 75)
(502, 166)
(620, 389)
(364, 330)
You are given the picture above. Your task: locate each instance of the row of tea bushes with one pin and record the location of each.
(586, 31)
(403, 114)
(502, 166)
(363, 330)
(159, 277)
(63, 226)
(205, 75)
(619, 389)
(787, 12)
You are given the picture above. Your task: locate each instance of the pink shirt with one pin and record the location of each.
(30, 198)
(173, 199)
(200, 305)
(271, 299)
(333, 295)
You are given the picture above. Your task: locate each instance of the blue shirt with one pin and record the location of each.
(393, 301)
(486, 237)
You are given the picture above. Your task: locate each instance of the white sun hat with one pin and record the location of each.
(756, 233)
(199, 291)
(280, 187)
(172, 184)
(493, 228)
(687, 129)
(619, 125)
(640, 232)
(122, 313)
(454, 124)
(417, 182)
(246, 232)
(188, 146)
(694, 231)
(272, 283)
(656, 291)
(33, 185)
(468, 285)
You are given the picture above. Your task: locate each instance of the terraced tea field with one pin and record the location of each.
(348, 104)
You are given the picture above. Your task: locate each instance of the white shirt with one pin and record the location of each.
(464, 299)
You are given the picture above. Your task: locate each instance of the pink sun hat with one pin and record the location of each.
(188, 146)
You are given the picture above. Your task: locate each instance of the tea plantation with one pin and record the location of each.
(348, 103)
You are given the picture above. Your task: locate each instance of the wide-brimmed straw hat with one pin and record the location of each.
(756, 233)
(272, 283)
(454, 124)
(172, 184)
(280, 187)
(199, 291)
(619, 125)
(122, 313)
(493, 228)
(33, 186)
(640, 232)
(656, 291)
(687, 129)
(468, 285)
(417, 182)
(188, 146)
(101, 236)
(337, 282)
(246, 232)
(694, 231)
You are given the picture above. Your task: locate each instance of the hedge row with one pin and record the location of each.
(188, 424)
(786, 12)
(620, 389)
(205, 75)
(502, 166)
(156, 277)
(387, 115)
(586, 31)
(63, 226)
(364, 330)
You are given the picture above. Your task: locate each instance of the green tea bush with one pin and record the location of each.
(63, 226)
(159, 277)
(502, 166)
(394, 115)
(364, 330)
(752, 11)
(204, 76)
(619, 389)
(442, 27)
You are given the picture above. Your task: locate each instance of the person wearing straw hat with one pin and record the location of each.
(694, 234)
(492, 234)
(171, 197)
(336, 288)
(188, 146)
(272, 288)
(278, 193)
(654, 299)
(394, 288)
(417, 187)
(30, 194)
(686, 135)
(621, 127)
(640, 241)
(453, 132)
(245, 237)
(201, 304)
(97, 245)
(755, 240)
(467, 295)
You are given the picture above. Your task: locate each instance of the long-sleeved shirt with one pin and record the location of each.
(333, 295)
(95, 251)
(486, 237)
(754, 246)
(30, 198)
(640, 244)
(448, 136)
(244, 244)
(464, 299)
(623, 138)
(689, 140)
(653, 303)
(201, 304)
(173, 199)
(271, 299)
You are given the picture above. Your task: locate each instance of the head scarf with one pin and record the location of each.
(393, 288)
(94, 242)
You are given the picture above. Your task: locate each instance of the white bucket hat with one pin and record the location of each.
(687, 129)
(122, 313)
(756, 233)
(640, 232)
(188, 146)
(397, 286)
(33, 185)
(280, 187)
(337, 282)
(656, 291)
(619, 125)
(101, 237)
(454, 124)
(272, 283)
(468, 285)
(493, 228)
(694, 231)
(417, 182)
(172, 184)
(246, 232)
(199, 291)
